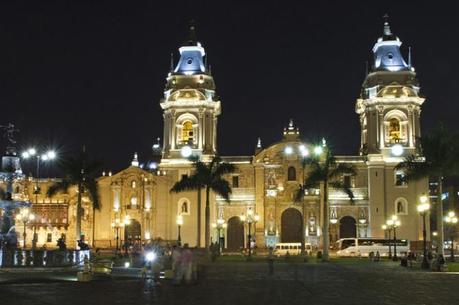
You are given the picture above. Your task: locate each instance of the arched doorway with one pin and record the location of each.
(291, 223)
(347, 227)
(133, 232)
(235, 234)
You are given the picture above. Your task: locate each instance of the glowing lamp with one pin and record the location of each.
(186, 151)
(397, 150)
(318, 150)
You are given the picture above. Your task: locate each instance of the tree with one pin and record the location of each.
(323, 170)
(81, 171)
(436, 158)
(208, 176)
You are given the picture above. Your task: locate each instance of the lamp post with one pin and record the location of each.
(126, 223)
(117, 225)
(333, 222)
(25, 217)
(388, 230)
(250, 218)
(362, 223)
(393, 224)
(45, 156)
(179, 225)
(423, 208)
(219, 225)
(451, 220)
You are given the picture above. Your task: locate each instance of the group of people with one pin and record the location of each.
(182, 264)
(436, 261)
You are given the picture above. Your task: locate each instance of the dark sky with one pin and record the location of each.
(92, 72)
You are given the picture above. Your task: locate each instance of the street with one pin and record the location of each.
(248, 283)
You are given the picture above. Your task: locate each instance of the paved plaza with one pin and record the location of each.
(246, 283)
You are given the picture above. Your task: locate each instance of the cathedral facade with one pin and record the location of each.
(137, 205)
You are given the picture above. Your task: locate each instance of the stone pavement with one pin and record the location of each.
(248, 283)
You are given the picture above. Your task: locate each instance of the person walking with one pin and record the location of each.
(176, 253)
(270, 261)
(186, 261)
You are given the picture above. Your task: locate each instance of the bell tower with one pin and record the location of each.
(190, 106)
(389, 106)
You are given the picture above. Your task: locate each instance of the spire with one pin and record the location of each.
(387, 32)
(291, 132)
(135, 160)
(409, 57)
(191, 56)
(192, 40)
(258, 148)
(387, 55)
(172, 62)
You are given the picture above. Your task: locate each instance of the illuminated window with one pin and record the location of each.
(394, 130)
(187, 131)
(400, 178)
(133, 184)
(291, 174)
(49, 237)
(133, 202)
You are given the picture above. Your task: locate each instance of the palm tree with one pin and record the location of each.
(208, 176)
(324, 170)
(437, 157)
(80, 171)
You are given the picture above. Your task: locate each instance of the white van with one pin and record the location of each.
(292, 249)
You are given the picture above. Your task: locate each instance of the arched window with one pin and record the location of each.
(187, 132)
(396, 127)
(394, 130)
(401, 206)
(183, 206)
(291, 174)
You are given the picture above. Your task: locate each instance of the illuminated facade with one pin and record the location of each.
(389, 109)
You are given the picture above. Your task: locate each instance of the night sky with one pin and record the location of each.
(92, 72)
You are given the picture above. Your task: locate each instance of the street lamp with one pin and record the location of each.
(179, 225)
(221, 224)
(394, 223)
(25, 217)
(117, 225)
(250, 218)
(127, 241)
(386, 228)
(423, 208)
(451, 220)
(45, 156)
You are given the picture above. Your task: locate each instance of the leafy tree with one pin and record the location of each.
(207, 176)
(81, 171)
(436, 158)
(324, 171)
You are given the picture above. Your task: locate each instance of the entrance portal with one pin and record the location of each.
(235, 234)
(347, 227)
(291, 223)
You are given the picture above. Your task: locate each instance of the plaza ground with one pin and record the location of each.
(239, 282)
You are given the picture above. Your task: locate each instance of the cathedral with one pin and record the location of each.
(137, 205)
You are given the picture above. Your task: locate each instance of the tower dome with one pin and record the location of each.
(387, 55)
